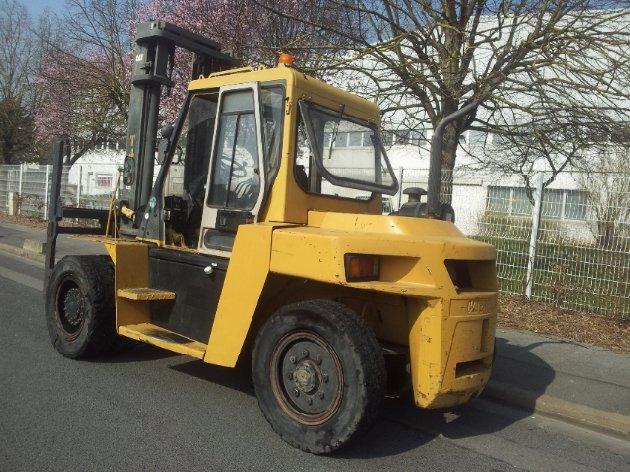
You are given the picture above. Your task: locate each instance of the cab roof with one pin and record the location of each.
(307, 87)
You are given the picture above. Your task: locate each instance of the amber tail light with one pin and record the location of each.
(361, 267)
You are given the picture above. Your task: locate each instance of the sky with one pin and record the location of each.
(36, 7)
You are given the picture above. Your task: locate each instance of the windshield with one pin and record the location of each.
(347, 152)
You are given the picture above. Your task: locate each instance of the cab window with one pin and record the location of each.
(184, 185)
(340, 155)
(235, 175)
(272, 107)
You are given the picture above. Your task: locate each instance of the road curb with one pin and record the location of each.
(22, 252)
(607, 422)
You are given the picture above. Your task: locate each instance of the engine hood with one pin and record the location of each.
(413, 251)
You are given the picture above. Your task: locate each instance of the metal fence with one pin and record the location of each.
(567, 243)
(87, 186)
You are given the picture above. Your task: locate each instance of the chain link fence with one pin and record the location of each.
(567, 243)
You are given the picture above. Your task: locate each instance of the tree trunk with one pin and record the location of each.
(449, 150)
(7, 151)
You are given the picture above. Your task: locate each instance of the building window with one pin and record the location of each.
(367, 139)
(620, 133)
(557, 203)
(499, 199)
(500, 139)
(520, 202)
(355, 138)
(341, 139)
(401, 137)
(598, 133)
(575, 205)
(552, 203)
(388, 138)
(477, 137)
(419, 137)
(104, 180)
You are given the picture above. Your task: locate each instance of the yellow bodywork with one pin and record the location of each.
(296, 252)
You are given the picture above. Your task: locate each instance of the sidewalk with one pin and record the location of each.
(579, 383)
(581, 374)
(12, 237)
(543, 374)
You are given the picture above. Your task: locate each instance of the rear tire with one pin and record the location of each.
(319, 375)
(80, 307)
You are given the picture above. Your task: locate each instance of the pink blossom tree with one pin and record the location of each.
(85, 77)
(251, 33)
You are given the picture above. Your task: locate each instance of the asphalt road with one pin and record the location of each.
(151, 410)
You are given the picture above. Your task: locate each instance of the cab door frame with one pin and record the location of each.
(211, 213)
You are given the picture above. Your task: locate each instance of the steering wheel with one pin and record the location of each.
(245, 193)
(238, 168)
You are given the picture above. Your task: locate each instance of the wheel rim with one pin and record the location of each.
(306, 377)
(70, 312)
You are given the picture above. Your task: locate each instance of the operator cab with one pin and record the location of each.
(219, 181)
(221, 159)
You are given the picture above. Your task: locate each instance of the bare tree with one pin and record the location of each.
(19, 58)
(535, 66)
(606, 181)
(85, 75)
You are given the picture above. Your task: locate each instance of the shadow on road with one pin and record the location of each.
(238, 378)
(516, 365)
(135, 352)
(402, 426)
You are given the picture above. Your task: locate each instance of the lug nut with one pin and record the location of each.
(290, 376)
(292, 359)
(309, 401)
(321, 395)
(318, 360)
(305, 353)
(296, 392)
(325, 377)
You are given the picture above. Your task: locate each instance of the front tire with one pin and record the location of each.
(80, 309)
(319, 375)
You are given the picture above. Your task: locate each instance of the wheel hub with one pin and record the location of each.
(73, 306)
(70, 309)
(309, 381)
(306, 377)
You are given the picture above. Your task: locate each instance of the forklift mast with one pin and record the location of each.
(153, 59)
(153, 56)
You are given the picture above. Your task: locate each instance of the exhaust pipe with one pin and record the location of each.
(435, 163)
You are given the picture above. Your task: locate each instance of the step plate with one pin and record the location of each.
(157, 336)
(146, 294)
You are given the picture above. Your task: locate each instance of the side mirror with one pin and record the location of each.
(164, 142)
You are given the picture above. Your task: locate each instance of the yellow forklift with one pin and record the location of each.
(260, 239)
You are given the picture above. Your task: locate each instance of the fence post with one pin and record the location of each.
(46, 192)
(401, 173)
(79, 185)
(533, 239)
(19, 210)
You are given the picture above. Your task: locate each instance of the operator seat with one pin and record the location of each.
(413, 206)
